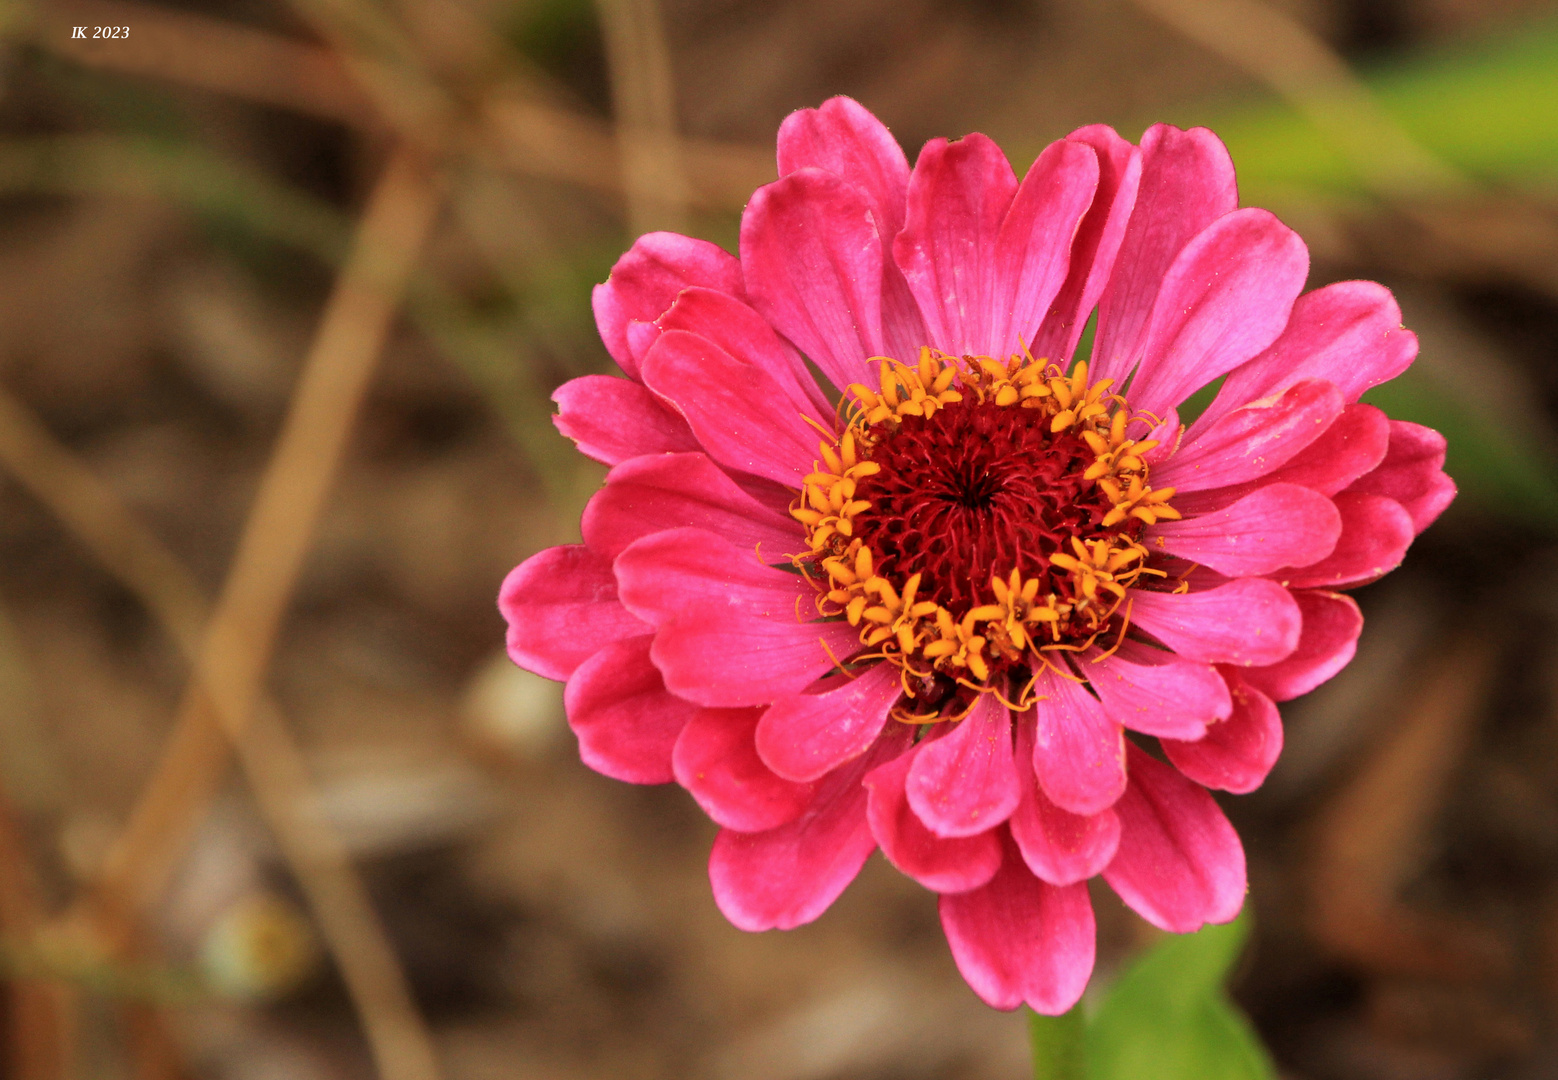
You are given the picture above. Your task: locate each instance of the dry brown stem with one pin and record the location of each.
(643, 94)
(1370, 838)
(398, 217)
(508, 127)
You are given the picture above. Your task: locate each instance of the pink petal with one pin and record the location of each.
(842, 137)
(803, 736)
(1332, 623)
(1353, 445)
(647, 279)
(943, 864)
(1273, 526)
(716, 761)
(1058, 846)
(1376, 533)
(958, 197)
(666, 491)
(1253, 441)
(1180, 864)
(1034, 251)
(740, 414)
(1079, 752)
(730, 658)
(1019, 940)
(730, 629)
(1348, 333)
(626, 721)
(1157, 693)
(812, 256)
(1244, 622)
(1096, 244)
(788, 876)
(734, 327)
(1225, 298)
(1411, 473)
(1237, 753)
(966, 781)
(612, 419)
(1186, 184)
(561, 606)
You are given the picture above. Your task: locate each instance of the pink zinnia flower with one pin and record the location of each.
(920, 608)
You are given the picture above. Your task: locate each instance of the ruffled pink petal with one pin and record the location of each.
(1079, 752)
(1332, 623)
(1411, 473)
(716, 761)
(844, 138)
(561, 606)
(1353, 445)
(1179, 864)
(611, 420)
(626, 721)
(729, 628)
(733, 326)
(647, 279)
(788, 876)
(667, 491)
(966, 781)
(1253, 441)
(1156, 692)
(812, 256)
(1034, 251)
(729, 658)
(1096, 245)
(740, 413)
(1186, 184)
(803, 736)
(958, 196)
(1348, 333)
(1059, 847)
(1225, 298)
(1376, 533)
(1237, 753)
(1273, 526)
(1019, 940)
(942, 864)
(1243, 622)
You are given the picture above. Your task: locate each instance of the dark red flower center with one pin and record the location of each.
(972, 492)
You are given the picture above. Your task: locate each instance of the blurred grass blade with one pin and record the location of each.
(1168, 1017)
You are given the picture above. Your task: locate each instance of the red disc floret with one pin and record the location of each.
(973, 491)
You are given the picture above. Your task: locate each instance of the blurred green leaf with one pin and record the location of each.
(1489, 461)
(1168, 1018)
(1488, 108)
(1059, 1045)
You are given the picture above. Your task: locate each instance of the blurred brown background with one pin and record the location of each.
(284, 288)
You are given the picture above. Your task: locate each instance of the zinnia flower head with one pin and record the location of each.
(920, 606)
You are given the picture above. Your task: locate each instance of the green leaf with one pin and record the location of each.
(1058, 1045)
(1168, 1018)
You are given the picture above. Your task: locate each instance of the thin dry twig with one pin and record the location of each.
(398, 216)
(643, 93)
(213, 54)
(509, 127)
(1278, 50)
(271, 761)
(41, 1011)
(1371, 836)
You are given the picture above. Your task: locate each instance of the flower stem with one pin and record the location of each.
(1058, 1045)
